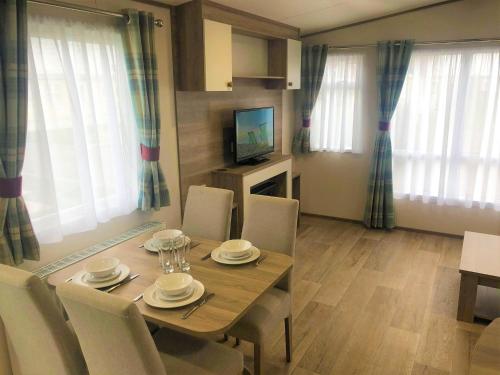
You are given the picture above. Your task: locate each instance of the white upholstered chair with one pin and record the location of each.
(5, 367)
(207, 213)
(115, 340)
(271, 224)
(40, 341)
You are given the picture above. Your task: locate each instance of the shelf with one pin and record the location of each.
(258, 77)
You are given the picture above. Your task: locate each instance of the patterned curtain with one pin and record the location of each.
(143, 77)
(17, 239)
(393, 61)
(312, 69)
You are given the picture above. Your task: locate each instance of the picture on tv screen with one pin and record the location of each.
(254, 132)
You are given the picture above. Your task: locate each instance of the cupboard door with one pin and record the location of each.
(294, 56)
(218, 56)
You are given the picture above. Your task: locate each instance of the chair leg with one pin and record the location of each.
(288, 338)
(237, 342)
(257, 359)
(226, 337)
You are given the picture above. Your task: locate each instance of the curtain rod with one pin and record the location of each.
(84, 9)
(425, 43)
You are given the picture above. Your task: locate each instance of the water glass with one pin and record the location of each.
(167, 256)
(182, 249)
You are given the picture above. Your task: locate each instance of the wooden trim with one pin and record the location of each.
(155, 3)
(248, 22)
(397, 227)
(446, 2)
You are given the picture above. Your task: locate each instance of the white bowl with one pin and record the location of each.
(173, 284)
(236, 248)
(163, 237)
(102, 267)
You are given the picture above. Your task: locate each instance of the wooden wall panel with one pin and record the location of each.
(205, 122)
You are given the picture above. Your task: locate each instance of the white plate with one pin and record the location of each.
(188, 294)
(217, 256)
(149, 245)
(153, 300)
(89, 279)
(79, 278)
(224, 255)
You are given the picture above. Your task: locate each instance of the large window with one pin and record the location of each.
(81, 153)
(336, 118)
(446, 129)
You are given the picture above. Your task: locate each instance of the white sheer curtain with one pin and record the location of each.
(446, 129)
(336, 117)
(82, 148)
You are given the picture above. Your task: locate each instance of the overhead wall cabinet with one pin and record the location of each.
(204, 33)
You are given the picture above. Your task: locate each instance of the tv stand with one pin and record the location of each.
(254, 161)
(269, 177)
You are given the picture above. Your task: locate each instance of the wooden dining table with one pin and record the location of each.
(236, 288)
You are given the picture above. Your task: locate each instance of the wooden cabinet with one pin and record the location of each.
(285, 60)
(203, 33)
(293, 63)
(218, 56)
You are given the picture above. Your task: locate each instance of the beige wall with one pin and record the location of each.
(168, 159)
(334, 184)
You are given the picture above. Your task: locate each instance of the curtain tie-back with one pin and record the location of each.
(150, 153)
(306, 123)
(11, 187)
(383, 125)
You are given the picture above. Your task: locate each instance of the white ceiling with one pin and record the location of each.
(315, 15)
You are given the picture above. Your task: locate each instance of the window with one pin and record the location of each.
(446, 128)
(81, 153)
(336, 118)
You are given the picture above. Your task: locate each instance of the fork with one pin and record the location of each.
(139, 297)
(260, 260)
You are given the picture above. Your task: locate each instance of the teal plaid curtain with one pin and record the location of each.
(393, 61)
(312, 70)
(17, 240)
(143, 78)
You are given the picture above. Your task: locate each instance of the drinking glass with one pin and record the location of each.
(182, 249)
(167, 256)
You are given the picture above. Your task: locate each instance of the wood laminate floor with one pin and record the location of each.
(372, 302)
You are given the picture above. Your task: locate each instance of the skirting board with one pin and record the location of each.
(46, 270)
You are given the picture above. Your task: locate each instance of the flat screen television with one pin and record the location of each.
(254, 134)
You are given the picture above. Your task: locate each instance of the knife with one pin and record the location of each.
(121, 283)
(198, 305)
(206, 256)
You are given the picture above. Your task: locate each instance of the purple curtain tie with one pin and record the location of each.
(150, 153)
(383, 125)
(11, 187)
(306, 123)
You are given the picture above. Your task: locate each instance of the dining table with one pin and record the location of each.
(236, 288)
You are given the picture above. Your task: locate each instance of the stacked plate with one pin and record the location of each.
(173, 290)
(101, 273)
(235, 252)
(164, 235)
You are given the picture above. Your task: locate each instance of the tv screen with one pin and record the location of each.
(254, 129)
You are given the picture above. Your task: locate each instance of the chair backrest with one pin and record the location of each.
(112, 332)
(5, 367)
(40, 342)
(271, 223)
(207, 213)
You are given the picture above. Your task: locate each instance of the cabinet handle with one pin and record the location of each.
(229, 84)
(290, 83)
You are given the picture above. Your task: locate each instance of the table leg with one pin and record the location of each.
(467, 298)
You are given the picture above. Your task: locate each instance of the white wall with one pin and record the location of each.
(335, 184)
(168, 157)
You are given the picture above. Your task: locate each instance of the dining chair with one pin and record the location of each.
(207, 213)
(270, 223)
(115, 340)
(40, 341)
(5, 367)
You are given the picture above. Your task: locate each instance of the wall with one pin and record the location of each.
(205, 124)
(168, 145)
(335, 184)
